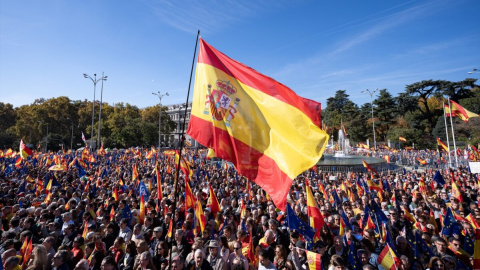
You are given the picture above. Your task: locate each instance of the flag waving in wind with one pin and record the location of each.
(24, 150)
(458, 110)
(235, 112)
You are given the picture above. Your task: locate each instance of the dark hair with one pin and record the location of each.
(109, 260)
(224, 240)
(131, 247)
(337, 261)
(238, 265)
(264, 253)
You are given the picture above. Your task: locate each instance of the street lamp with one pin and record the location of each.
(373, 119)
(100, 114)
(94, 80)
(71, 140)
(474, 71)
(160, 96)
(46, 137)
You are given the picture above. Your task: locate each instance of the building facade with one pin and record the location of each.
(177, 114)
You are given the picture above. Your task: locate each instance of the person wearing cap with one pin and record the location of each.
(157, 237)
(214, 258)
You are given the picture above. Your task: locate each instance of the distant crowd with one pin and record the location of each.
(102, 210)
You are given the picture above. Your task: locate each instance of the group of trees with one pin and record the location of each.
(56, 119)
(416, 114)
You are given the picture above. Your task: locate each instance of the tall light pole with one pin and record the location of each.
(104, 78)
(94, 80)
(71, 139)
(373, 119)
(474, 71)
(160, 96)
(46, 137)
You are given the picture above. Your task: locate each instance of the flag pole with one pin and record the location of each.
(453, 134)
(446, 131)
(177, 170)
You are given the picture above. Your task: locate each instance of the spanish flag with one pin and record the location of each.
(368, 167)
(235, 111)
(476, 252)
(170, 229)
(314, 260)
(402, 139)
(442, 144)
(141, 215)
(456, 192)
(213, 202)
(85, 230)
(422, 161)
(28, 251)
(457, 110)
(388, 259)
(200, 216)
(112, 213)
(115, 194)
(24, 150)
(316, 219)
(135, 173)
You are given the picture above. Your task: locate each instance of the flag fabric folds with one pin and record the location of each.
(314, 260)
(400, 138)
(24, 150)
(476, 252)
(439, 178)
(295, 223)
(442, 145)
(388, 259)
(457, 110)
(314, 215)
(235, 112)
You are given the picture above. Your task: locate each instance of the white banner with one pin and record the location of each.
(474, 167)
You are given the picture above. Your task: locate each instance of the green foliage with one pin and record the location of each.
(123, 125)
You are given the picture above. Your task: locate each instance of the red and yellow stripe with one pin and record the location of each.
(268, 147)
(314, 260)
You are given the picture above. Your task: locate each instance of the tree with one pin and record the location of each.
(460, 90)
(385, 111)
(423, 91)
(339, 109)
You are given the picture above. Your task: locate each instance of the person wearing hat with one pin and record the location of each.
(214, 258)
(157, 237)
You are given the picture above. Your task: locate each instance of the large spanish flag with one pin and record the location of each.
(456, 110)
(267, 131)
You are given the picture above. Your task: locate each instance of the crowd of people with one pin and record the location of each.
(101, 210)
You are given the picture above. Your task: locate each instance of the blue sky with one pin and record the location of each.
(314, 47)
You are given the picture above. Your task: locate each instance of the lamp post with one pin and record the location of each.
(371, 93)
(474, 71)
(71, 139)
(46, 137)
(94, 80)
(104, 78)
(160, 96)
